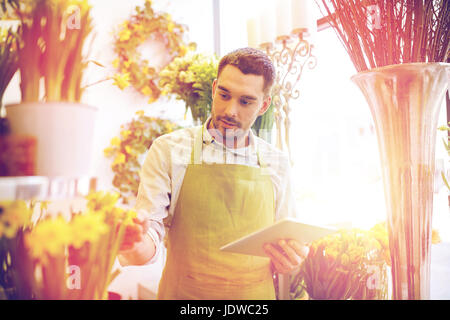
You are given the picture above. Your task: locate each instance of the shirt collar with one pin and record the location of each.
(208, 139)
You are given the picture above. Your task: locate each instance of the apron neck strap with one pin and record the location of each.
(197, 149)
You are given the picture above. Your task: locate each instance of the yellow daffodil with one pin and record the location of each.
(49, 236)
(88, 227)
(83, 5)
(13, 216)
(98, 201)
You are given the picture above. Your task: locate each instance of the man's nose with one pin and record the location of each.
(231, 108)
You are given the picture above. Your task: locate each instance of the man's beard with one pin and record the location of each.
(230, 136)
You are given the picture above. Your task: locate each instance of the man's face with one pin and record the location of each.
(238, 99)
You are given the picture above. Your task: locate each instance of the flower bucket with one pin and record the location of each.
(64, 132)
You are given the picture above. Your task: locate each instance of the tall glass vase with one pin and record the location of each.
(404, 101)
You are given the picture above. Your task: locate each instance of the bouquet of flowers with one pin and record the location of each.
(60, 259)
(190, 79)
(74, 259)
(348, 264)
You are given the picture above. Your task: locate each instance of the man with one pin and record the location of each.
(217, 183)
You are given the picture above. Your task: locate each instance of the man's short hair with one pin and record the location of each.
(250, 61)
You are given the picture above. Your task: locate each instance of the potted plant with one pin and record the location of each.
(399, 49)
(52, 35)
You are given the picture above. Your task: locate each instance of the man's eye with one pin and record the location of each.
(223, 95)
(245, 102)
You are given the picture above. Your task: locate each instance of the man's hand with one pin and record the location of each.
(287, 256)
(137, 247)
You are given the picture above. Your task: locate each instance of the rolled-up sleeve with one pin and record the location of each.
(153, 199)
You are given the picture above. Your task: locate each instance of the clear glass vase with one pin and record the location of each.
(404, 101)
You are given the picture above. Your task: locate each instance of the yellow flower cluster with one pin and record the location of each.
(14, 215)
(51, 236)
(48, 238)
(337, 265)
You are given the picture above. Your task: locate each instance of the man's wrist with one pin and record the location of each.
(141, 253)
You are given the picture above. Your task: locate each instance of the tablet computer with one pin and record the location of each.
(288, 228)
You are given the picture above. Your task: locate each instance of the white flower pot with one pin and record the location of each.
(64, 133)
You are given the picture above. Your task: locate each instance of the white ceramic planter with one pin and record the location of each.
(64, 132)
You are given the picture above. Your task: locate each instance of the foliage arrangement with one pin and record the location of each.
(59, 259)
(143, 25)
(190, 79)
(51, 40)
(126, 150)
(377, 33)
(8, 58)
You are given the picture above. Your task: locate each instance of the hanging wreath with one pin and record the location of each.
(135, 70)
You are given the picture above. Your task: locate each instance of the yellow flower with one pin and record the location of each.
(122, 80)
(124, 35)
(115, 141)
(127, 63)
(170, 26)
(128, 150)
(168, 126)
(83, 5)
(107, 151)
(49, 236)
(115, 63)
(88, 227)
(13, 216)
(98, 201)
(120, 158)
(125, 133)
(147, 91)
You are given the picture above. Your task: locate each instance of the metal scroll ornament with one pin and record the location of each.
(290, 57)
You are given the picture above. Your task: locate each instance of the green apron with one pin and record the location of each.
(218, 203)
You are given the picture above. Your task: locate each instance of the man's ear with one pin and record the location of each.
(214, 87)
(266, 104)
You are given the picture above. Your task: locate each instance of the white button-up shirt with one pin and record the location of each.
(165, 165)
